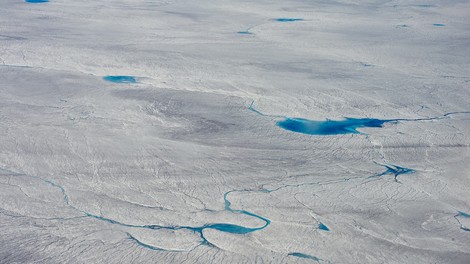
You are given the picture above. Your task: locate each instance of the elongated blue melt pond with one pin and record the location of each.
(120, 79)
(329, 127)
(36, 1)
(234, 229)
(246, 32)
(323, 227)
(288, 19)
(302, 255)
(439, 25)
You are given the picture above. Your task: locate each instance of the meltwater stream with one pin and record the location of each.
(299, 125)
(223, 227)
(461, 214)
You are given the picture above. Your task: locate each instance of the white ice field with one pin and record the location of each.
(178, 131)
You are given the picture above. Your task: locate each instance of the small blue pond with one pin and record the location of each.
(329, 127)
(395, 170)
(246, 32)
(120, 79)
(302, 255)
(323, 227)
(439, 25)
(288, 19)
(36, 1)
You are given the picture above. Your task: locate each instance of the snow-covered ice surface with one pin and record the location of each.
(167, 131)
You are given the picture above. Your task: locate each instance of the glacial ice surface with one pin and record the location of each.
(234, 131)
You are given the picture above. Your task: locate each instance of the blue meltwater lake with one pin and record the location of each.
(330, 127)
(347, 125)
